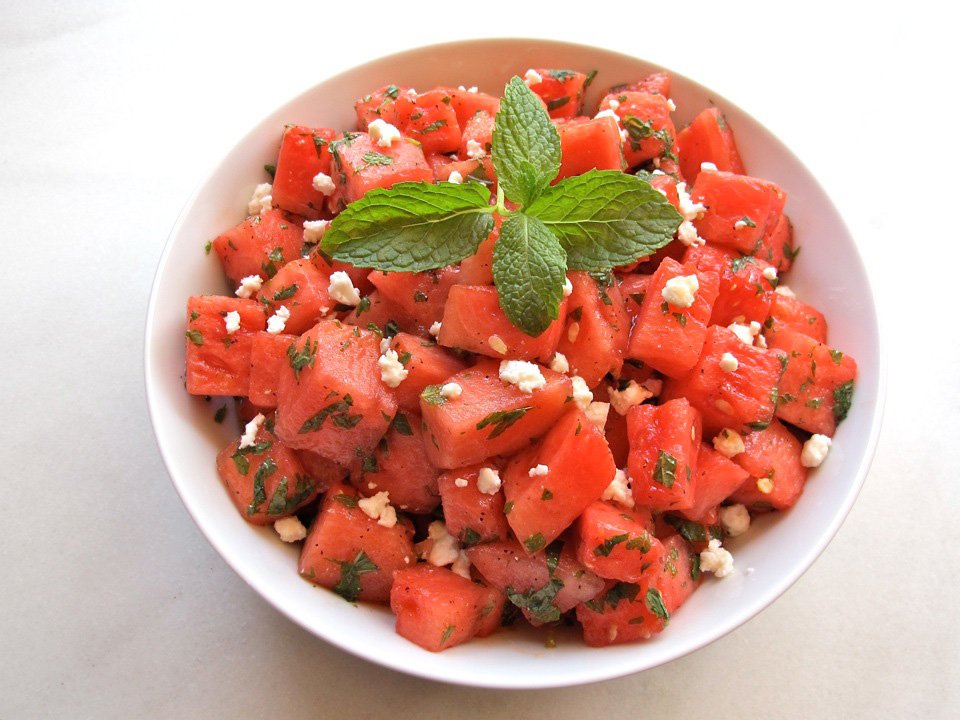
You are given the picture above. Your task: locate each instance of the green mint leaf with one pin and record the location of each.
(349, 586)
(606, 218)
(411, 227)
(266, 469)
(665, 471)
(539, 603)
(529, 267)
(526, 145)
(499, 420)
(535, 542)
(654, 603)
(842, 399)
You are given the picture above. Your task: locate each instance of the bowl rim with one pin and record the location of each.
(589, 673)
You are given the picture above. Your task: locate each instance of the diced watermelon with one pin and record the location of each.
(745, 294)
(478, 129)
(437, 609)
(588, 145)
(739, 209)
(561, 90)
(391, 103)
(358, 276)
(658, 82)
(360, 165)
(579, 467)
(478, 268)
(716, 479)
(268, 354)
(708, 139)
(433, 122)
(325, 473)
(817, 386)
(787, 313)
(633, 289)
(335, 403)
(426, 364)
(421, 296)
(466, 104)
(615, 431)
(260, 245)
(303, 154)
(218, 362)
(616, 543)
(471, 516)
(301, 286)
(646, 118)
(664, 440)
(776, 246)
(351, 553)
(379, 315)
(490, 417)
(771, 454)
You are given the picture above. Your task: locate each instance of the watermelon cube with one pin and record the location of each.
(268, 354)
(588, 145)
(716, 479)
(708, 139)
(772, 457)
(421, 296)
(646, 118)
(304, 152)
(260, 245)
(788, 313)
(302, 287)
(360, 165)
(471, 516)
(561, 91)
(617, 544)
(218, 361)
(740, 209)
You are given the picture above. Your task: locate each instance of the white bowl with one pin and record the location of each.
(779, 548)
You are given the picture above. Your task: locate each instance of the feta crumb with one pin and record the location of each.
(290, 529)
(249, 285)
(445, 549)
(250, 430)
(815, 450)
(671, 104)
(625, 138)
(435, 328)
(633, 394)
(323, 184)
(412, 93)
(567, 287)
(687, 234)
(488, 481)
(716, 559)
(342, 290)
(539, 471)
(474, 150)
(461, 566)
(532, 77)
(573, 331)
(383, 133)
(765, 485)
(232, 322)
(525, 375)
(614, 104)
(461, 482)
(455, 177)
(451, 391)
(597, 413)
(392, 371)
(688, 208)
(384, 345)
(770, 273)
(741, 224)
(581, 393)
(618, 490)
(708, 167)
(681, 291)
(761, 342)
(755, 328)
(607, 113)
(472, 89)
(278, 321)
(378, 508)
(497, 344)
(729, 362)
(786, 291)
(735, 520)
(313, 230)
(728, 443)
(261, 200)
(560, 363)
(743, 332)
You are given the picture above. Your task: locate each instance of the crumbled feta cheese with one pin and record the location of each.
(384, 345)
(532, 77)
(681, 291)
(451, 391)
(474, 150)
(461, 482)
(755, 328)
(567, 287)
(607, 113)
(488, 481)
(471, 89)
(342, 290)
(770, 273)
(323, 184)
(633, 394)
(735, 519)
(573, 331)
(728, 443)
(378, 508)
(618, 490)
(261, 200)
(597, 413)
(249, 285)
(445, 549)
(815, 450)
(290, 529)
(716, 559)
(497, 344)
(625, 138)
(455, 177)
(461, 566)
(688, 208)
(614, 104)
(525, 375)
(560, 363)
(392, 371)
(729, 362)
(412, 93)
(232, 322)
(741, 224)
(250, 430)
(707, 167)
(383, 133)
(313, 230)
(761, 342)
(539, 471)
(765, 485)
(671, 104)
(743, 332)
(581, 393)
(435, 328)
(786, 291)
(278, 321)
(687, 234)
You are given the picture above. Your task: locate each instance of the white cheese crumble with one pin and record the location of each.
(313, 230)
(786, 291)
(671, 104)
(708, 167)
(539, 471)
(278, 321)
(525, 375)
(474, 150)
(232, 322)
(384, 345)
(383, 133)
(435, 328)
(461, 482)
(290, 529)
(745, 333)
(716, 559)
(597, 413)
(618, 490)
(741, 224)
(471, 89)
(607, 113)
(770, 273)
(323, 184)
(728, 443)
(681, 291)
(567, 287)
(249, 285)
(815, 450)
(532, 77)
(461, 566)
(625, 138)
(633, 394)
(573, 331)
(250, 430)
(614, 104)
(342, 290)
(392, 371)
(687, 234)
(765, 485)
(761, 342)
(497, 344)
(560, 363)
(378, 507)
(455, 177)
(729, 362)
(488, 481)
(261, 200)
(581, 393)
(735, 520)
(445, 549)
(451, 391)
(688, 208)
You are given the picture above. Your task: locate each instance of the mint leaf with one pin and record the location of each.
(605, 218)
(526, 145)
(411, 227)
(529, 267)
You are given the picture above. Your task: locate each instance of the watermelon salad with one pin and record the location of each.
(481, 417)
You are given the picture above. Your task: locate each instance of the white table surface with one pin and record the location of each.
(111, 602)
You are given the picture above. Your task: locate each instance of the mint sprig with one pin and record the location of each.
(594, 222)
